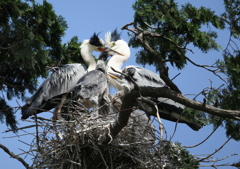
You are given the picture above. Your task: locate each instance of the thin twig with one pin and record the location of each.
(21, 128)
(216, 150)
(175, 76)
(203, 140)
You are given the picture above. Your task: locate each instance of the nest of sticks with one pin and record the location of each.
(75, 144)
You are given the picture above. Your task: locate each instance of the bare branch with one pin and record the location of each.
(205, 67)
(221, 158)
(175, 76)
(179, 47)
(14, 156)
(168, 93)
(20, 128)
(216, 150)
(203, 140)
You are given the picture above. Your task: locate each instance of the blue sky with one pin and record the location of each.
(86, 17)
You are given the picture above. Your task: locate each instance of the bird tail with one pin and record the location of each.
(173, 111)
(194, 126)
(35, 107)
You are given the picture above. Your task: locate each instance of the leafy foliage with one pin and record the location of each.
(228, 96)
(178, 156)
(169, 29)
(231, 16)
(7, 114)
(176, 29)
(71, 52)
(30, 40)
(196, 116)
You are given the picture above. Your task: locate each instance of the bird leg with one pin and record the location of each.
(95, 114)
(57, 112)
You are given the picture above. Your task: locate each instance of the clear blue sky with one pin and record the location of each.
(86, 17)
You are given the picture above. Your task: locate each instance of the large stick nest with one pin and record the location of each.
(75, 144)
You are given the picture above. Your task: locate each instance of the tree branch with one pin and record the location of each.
(129, 99)
(216, 150)
(140, 33)
(14, 156)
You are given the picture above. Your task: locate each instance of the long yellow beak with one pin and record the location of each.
(109, 50)
(112, 76)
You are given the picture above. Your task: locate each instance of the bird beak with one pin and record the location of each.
(112, 76)
(109, 50)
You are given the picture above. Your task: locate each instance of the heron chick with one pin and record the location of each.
(92, 89)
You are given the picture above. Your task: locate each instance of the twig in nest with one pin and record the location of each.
(154, 107)
(160, 126)
(109, 134)
(37, 136)
(21, 128)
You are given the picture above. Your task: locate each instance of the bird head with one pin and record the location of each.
(112, 37)
(96, 43)
(114, 42)
(107, 51)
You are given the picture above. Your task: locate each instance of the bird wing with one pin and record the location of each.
(62, 80)
(144, 77)
(91, 84)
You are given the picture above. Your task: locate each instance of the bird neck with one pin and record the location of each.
(101, 66)
(86, 52)
(116, 62)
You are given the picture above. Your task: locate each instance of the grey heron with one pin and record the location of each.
(168, 109)
(113, 40)
(117, 44)
(92, 88)
(62, 81)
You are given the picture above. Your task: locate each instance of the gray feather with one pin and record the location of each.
(168, 109)
(144, 77)
(61, 81)
(92, 88)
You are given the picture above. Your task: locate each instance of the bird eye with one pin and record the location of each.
(112, 44)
